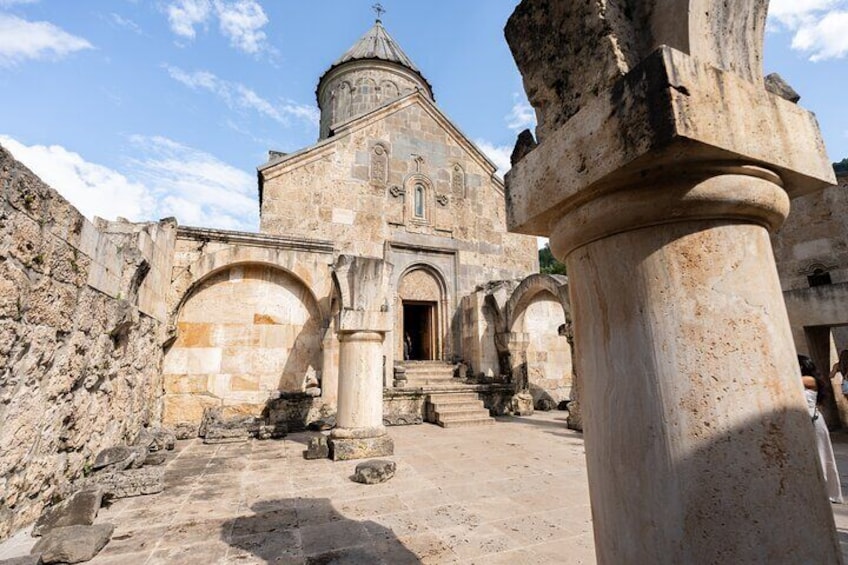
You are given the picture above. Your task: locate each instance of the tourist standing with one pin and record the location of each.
(816, 391)
(841, 368)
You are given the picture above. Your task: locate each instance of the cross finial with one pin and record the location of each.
(379, 10)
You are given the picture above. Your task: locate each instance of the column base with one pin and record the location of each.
(342, 449)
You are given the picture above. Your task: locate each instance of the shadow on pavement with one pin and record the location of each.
(310, 531)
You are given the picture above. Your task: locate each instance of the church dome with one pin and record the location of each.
(375, 70)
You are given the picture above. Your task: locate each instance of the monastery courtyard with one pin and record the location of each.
(262, 502)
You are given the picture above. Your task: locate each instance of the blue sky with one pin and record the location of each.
(146, 109)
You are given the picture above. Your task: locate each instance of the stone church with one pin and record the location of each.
(391, 178)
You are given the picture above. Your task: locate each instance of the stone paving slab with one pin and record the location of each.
(514, 492)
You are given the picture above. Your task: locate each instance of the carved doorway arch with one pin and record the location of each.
(421, 308)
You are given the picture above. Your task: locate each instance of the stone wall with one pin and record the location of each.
(814, 237)
(79, 362)
(811, 251)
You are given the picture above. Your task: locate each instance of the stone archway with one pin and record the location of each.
(421, 315)
(243, 333)
(547, 353)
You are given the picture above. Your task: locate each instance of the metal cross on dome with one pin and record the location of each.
(379, 10)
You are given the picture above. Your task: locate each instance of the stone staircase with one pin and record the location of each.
(449, 402)
(458, 410)
(427, 374)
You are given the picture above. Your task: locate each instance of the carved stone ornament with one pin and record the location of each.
(397, 191)
(442, 199)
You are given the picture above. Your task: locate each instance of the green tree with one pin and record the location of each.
(548, 264)
(841, 166)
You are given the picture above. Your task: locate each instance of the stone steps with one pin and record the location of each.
(459, 409)
(465, 422)
(428, 374)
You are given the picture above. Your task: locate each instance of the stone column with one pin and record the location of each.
(362, 327)
(574, 420)
(661, 164)
(515, 345)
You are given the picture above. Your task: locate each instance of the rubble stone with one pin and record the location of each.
(78, 510)
(73, 544)
(374, 471)
(318, 448)
(115, 458)
(127, 483)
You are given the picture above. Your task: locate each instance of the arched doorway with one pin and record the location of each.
(420, 322)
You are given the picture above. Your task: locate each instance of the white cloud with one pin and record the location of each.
(819, 27)
(125, 23)
(163, 178)
(184, 15)
(95, 190)
(21, 40)
(522, 115)
(240, 21)
(8, 3)
(194, 186)
(827, 38)
(237, 95)
(499, 154)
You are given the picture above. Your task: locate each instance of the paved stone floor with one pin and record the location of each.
(515, 492)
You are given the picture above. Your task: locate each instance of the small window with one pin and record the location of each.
(419, 200)
(819, 278)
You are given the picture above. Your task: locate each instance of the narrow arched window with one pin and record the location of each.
(419, 200)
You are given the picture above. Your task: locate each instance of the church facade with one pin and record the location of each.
(255, 316)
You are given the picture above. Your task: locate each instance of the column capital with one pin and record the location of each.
(671, 114)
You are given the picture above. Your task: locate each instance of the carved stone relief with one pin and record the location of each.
(379, 165)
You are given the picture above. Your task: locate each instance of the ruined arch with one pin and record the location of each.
(308, 267)
(537, 317)
(245, 331)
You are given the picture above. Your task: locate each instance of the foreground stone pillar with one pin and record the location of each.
(362, 327)
(662, 162)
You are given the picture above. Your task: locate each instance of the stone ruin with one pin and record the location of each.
(660, 163)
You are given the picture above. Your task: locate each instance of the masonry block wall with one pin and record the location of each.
(79, 361)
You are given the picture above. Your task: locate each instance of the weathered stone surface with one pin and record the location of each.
(522, 404)
(73, 544)
(185, 430)
(226, 435)
(69, 388)
(155, 458)
(156, 439)
(545, 404)
(115, 458)
(323, 424)
(127, 483)
(563, 405)
(23, 560)
(360, 448)
(318, 448)
(78, 510)
(776, 85)
(374, 471)
(139, 456)
(276, 431)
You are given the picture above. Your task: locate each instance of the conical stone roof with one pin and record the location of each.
(377, 45)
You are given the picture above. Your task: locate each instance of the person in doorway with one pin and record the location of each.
(816, 391)
(841, 368)
(407, 347)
